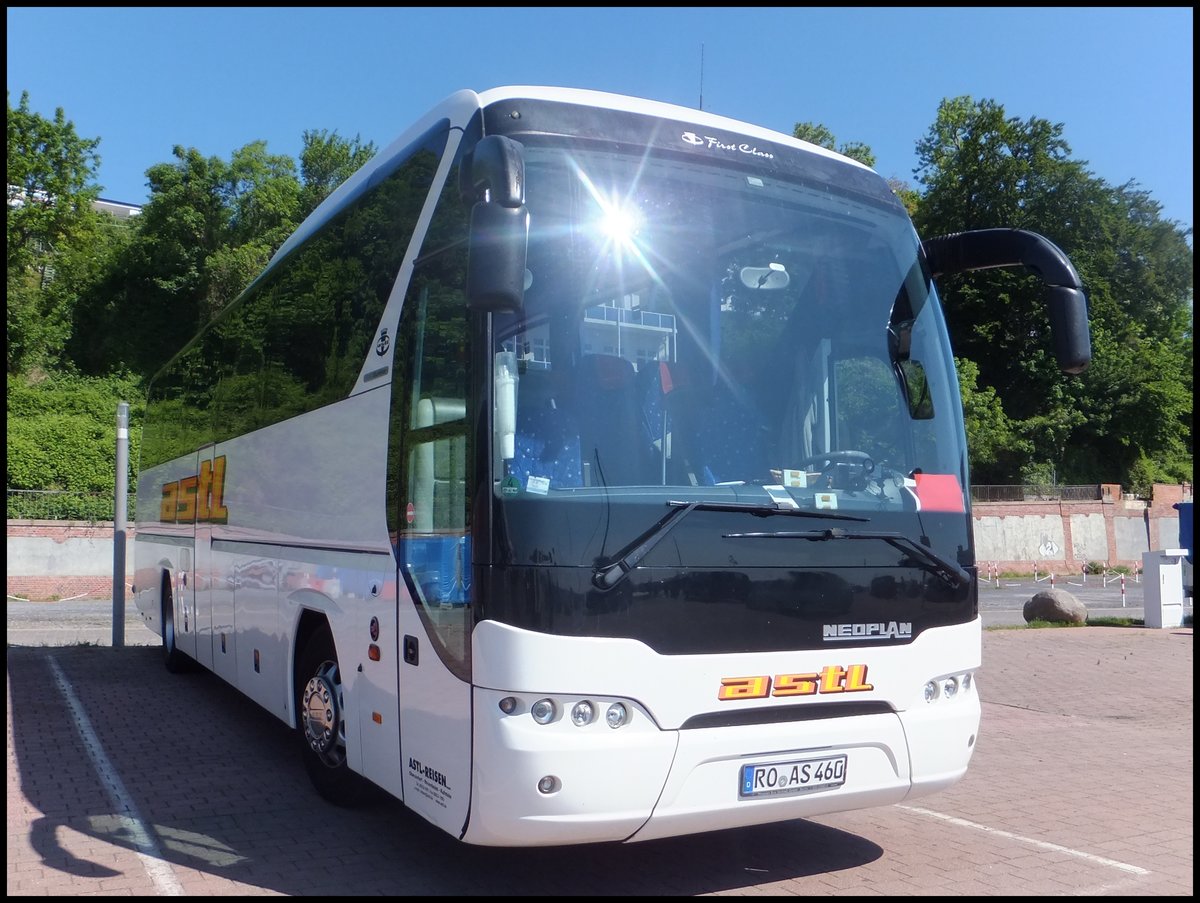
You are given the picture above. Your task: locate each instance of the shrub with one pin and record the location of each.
(62, 431)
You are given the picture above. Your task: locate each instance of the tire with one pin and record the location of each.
(176, 660)
(321, 723)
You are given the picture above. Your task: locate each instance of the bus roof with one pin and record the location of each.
(605, 100)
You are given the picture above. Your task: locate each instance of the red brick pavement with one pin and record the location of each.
(133, 781)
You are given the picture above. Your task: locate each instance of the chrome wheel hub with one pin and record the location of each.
(321, 713)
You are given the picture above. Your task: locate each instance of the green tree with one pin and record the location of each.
(982, 169)
(815, 133)
(994, 444)
(909, 196)
(820, 135)
(156, 294)
(209, 228)
(51, 189)
(326, 161)
(263, 198)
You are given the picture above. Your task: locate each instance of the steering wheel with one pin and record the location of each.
(845, 456)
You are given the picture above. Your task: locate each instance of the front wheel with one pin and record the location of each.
(321, 722)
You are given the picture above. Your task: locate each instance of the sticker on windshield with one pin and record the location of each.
(781, 497)
(538, 485)
(825, 500)
(797, 479)
(939, 492)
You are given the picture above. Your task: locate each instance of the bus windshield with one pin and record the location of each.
(700, 331)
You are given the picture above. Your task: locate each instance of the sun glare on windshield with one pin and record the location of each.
(618, 223)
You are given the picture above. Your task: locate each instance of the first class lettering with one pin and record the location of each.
(197, 499)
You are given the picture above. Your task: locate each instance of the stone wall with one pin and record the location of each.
(1063, 537)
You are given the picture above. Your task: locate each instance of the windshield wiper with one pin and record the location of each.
(764, 509)
(942, 567)
(606, 576)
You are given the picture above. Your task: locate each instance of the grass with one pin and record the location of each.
(1090, 622)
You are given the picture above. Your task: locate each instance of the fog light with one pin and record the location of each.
(548, 784)
(931, 691)
(508, 705)
(950, 687)
(967, 681)
(582, 713)
(543, 711)
(616, 715)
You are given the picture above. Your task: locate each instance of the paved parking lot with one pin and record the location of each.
(123, 779)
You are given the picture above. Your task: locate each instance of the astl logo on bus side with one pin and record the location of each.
(199, 498)
(830, 679)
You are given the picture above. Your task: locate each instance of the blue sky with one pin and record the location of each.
(144, 80)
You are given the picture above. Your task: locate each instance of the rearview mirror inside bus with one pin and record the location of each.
(772, 276)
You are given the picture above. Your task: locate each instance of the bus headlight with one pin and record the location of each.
(949, 686)
(582, 713)
(616, 715)
(543, 711)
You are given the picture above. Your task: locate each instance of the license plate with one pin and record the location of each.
(796, 776)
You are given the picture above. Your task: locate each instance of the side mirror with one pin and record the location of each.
(984, 249)
(493, 182)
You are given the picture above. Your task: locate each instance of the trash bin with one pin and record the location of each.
(1162, 582)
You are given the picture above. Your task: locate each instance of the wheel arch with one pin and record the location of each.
(166, 590)
(310, 622)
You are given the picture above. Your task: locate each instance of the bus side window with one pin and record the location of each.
(433, 335)
(430, 445)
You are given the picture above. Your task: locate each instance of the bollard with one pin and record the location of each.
(120, 503)
(1122, 590)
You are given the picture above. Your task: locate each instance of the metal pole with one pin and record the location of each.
(120, 501)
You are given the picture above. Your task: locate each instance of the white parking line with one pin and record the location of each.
(961, 822)
(148, 850)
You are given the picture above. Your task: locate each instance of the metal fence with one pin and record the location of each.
(53, 504)
(1032, 492)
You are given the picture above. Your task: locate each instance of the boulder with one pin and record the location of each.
(1055, 605)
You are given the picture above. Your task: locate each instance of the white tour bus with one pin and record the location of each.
(588, 469)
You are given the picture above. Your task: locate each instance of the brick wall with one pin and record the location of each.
(62, 559)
